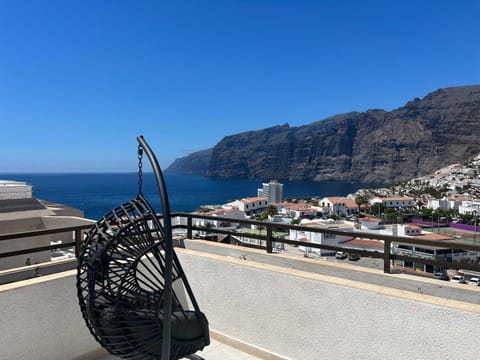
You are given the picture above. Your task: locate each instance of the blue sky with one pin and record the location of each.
(79, 80)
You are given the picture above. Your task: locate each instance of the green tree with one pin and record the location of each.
(362, 199)
(271, 210)
(377, 208)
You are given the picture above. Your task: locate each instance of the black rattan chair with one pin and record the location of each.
(127, 269)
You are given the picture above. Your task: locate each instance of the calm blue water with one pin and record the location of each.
(95, 194)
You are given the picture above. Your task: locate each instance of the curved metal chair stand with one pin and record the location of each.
(126, 271)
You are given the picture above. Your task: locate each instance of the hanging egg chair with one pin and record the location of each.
(127, 269)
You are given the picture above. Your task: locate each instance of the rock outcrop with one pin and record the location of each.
(372, 146)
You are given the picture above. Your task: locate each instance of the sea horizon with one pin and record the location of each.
(97, 192)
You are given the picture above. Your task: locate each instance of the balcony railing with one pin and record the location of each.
(78, 230)
(186, 221)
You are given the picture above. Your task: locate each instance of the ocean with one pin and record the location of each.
(97, 193)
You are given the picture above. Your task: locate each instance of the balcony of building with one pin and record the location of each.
(263, 305)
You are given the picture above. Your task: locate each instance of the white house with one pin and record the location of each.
(320, 238)
(335, 205)
(251, 205)
(408, 230)
(469, 207)
(296, 211)
(394, 202)
(231, 213)
(446, 203)
(370, 223)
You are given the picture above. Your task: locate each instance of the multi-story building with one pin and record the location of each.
(273, 191)
(320, 238)
(469, 207)
(20, 211)
(394, 202)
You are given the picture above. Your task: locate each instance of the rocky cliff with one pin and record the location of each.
(194, 164)
(373, 146)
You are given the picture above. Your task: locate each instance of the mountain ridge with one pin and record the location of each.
(375, 146)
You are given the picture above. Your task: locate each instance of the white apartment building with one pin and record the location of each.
(11, 190)
(320, 238)
(394, 202)
(20, 211)
(250, 206)
(273, 191)
(445, 203)
(469, 207)
(234, 214)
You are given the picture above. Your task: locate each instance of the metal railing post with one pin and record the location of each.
(269, 239)
(78, 242)
(386, 256)
(189, 227)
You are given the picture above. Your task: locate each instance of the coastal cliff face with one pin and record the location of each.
(194, 164)
(373, 146)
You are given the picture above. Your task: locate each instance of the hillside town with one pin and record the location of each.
(443, 207)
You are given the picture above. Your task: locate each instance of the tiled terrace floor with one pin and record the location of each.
(215, 351)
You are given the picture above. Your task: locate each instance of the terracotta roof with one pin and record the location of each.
(397, 198)
(253, 199)
(350, 203)
(432, 236)
(300, 207)
(336, 199)
(370, 219)
(364, 243)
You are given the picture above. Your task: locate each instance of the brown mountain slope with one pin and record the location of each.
(373, 146)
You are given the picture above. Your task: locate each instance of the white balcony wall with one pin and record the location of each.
(300, 316)
(295, 314)
(40, 319)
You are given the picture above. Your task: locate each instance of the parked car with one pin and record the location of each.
(441, 276)
(341, 255)
(353, 257)
(474, 281)
(458, 279)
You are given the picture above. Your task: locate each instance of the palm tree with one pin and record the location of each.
(361, 199)
(271, 210)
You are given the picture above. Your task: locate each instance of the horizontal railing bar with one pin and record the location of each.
(270, 228)
(359, 234)
(37, 249)
(24, 234)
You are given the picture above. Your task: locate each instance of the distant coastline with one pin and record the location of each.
(96, 193)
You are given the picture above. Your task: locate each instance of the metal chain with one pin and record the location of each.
(140, 173)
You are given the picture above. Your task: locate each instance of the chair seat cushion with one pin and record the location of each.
(186, 326)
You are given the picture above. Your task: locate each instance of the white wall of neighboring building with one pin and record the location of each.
(319, 238)
(394, 202)
(370, 223)
(250, 206)
(233, 214)
(10, 190)
(273, 191)
(408, 230)
(333, 205)
(469, 207)
(435, 204)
